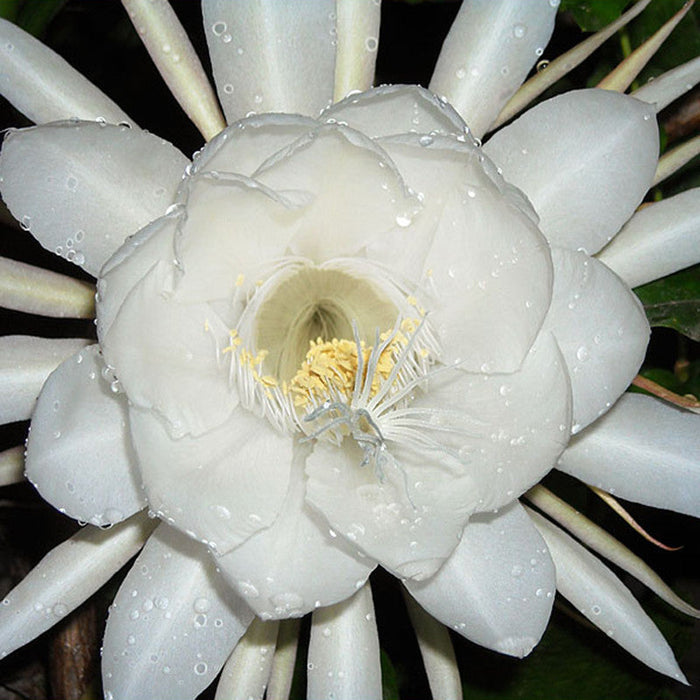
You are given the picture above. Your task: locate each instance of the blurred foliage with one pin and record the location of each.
(674, 302)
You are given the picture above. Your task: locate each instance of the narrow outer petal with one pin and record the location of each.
(172, 624)
(671, 85)
(659, 239)
(488, 52)
(25, 363)
(498, 586)
(271, 56)
(643, 450)
(79, 454)
(358, 40)
(247, 670)
(344, 651)
(66, 577)
(276, 569)
(220, 487)
(601, 329)
(175, 57)
(82, 188)
(599, 595)
(35, 291)
(41, 85)
(585, 159)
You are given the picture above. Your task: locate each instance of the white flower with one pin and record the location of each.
(338, 341)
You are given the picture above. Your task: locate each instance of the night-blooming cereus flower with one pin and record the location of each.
(345, 335)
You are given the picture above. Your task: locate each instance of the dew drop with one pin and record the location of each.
(218, 28)
(519, 31)
(582, 354)
(371, 43)
(201, 605)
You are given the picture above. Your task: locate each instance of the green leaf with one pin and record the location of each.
(674, 302)
(9, 9)
(592, 15)
(390, 681)
(35, 17)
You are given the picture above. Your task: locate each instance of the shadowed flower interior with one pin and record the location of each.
(345, 335)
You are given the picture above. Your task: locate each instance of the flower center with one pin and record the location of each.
(318, 349)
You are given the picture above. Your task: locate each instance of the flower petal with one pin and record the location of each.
(25, 363)
(171, 50)
(220, 487)
(247, 144)
(659, 239)
(247, 671)
(669, 86)
(81, 187)
(351, 189)
(479, 70)
(585, 159)
(642, 450)
(483, 262)
(470, 443)
(79, 455)
(397, 109)
(271, 56)
(180, 343)
(437, 653)
(358, 40)
(498, 586)
(43, 292)
(594, 590)
(344, 661)
(250, 232)
(41, 85)
(275, 570)
(66, 577)
(172, 624)
(601, 329)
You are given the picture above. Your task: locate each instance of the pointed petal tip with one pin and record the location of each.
(519, 647)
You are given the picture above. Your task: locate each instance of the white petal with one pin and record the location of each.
(220, 487)
(659, 239)
(247, 670)
(35, 291)
(358, 40)
(599, 595)
(498, 586)
(666, 88)
(601, 329)
(282, 672)
(247, 144)
(130, 264)
(173, 623)
(397, 109)
(344, 651)
(271, 56)
(487, 300)
(81, 188)
(25, 363)
(643, 450)
(79, 454)
(41, 85)
(437, 653)
(295, 565)
(385, 516)
(66, 577)
(488, 52)
(223, 256)
(470, 443)
(176, 60)
(585, 159)
(351, 189)
(180, 343)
